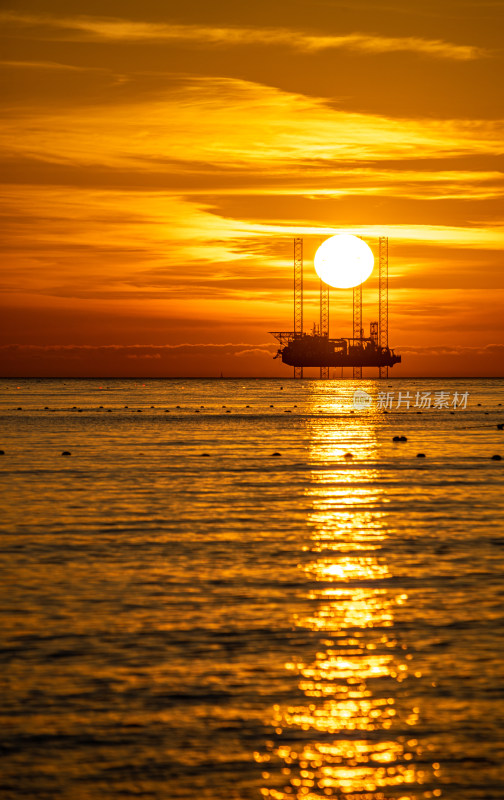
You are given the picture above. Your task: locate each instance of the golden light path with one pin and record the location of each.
(349, 736)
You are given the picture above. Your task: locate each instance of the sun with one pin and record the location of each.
(344, 261)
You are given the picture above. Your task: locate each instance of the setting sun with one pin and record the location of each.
(344, 261)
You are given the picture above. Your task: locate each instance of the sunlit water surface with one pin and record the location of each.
(241, 625)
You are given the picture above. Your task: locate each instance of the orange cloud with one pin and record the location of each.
(233, 123)
(113, 30)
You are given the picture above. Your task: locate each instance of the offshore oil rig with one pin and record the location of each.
(300, 349)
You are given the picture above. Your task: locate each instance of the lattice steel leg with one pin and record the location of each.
(298, 286)
(298, 295)
(357, 323)
(324, 322)
(383, 299)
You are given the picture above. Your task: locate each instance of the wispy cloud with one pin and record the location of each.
(467, 350)
(144, 347)
(234, 123)
(121, 30)
(49, 65)
(144, 350)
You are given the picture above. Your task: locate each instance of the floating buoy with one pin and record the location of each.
(272, 406)
(496, 458)
(420, 455)
(19, 408)
(205, 455)
(287, 411)
(276, 454)
(167, 411)
(197, 411)
(500, 426)
(228, 411)
(348, 455)
(399, 439)
(2, 452)
(66, 453)
(178, 406)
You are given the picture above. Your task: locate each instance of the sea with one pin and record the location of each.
(245, 589)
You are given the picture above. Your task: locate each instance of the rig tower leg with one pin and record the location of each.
(298, 295)
(383, 298)
(357, 322)
(373, 331)
(324, 321)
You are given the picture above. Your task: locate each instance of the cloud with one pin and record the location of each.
(122, 30)
(190, 359)
(141, 250)
(148, 350)
(49, 65)
(144, 355)
(231, 124)
(458, 350)
(237, 350)
(268, 351)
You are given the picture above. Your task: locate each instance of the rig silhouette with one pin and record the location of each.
(299, 349)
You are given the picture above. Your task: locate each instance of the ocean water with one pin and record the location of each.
(187, 615)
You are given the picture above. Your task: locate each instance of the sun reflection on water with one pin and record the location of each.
(351, 732)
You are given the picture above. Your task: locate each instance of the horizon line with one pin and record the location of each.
(239, 378)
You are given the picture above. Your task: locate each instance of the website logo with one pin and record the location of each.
(361, 400)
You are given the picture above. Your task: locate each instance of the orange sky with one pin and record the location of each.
(158, 158)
